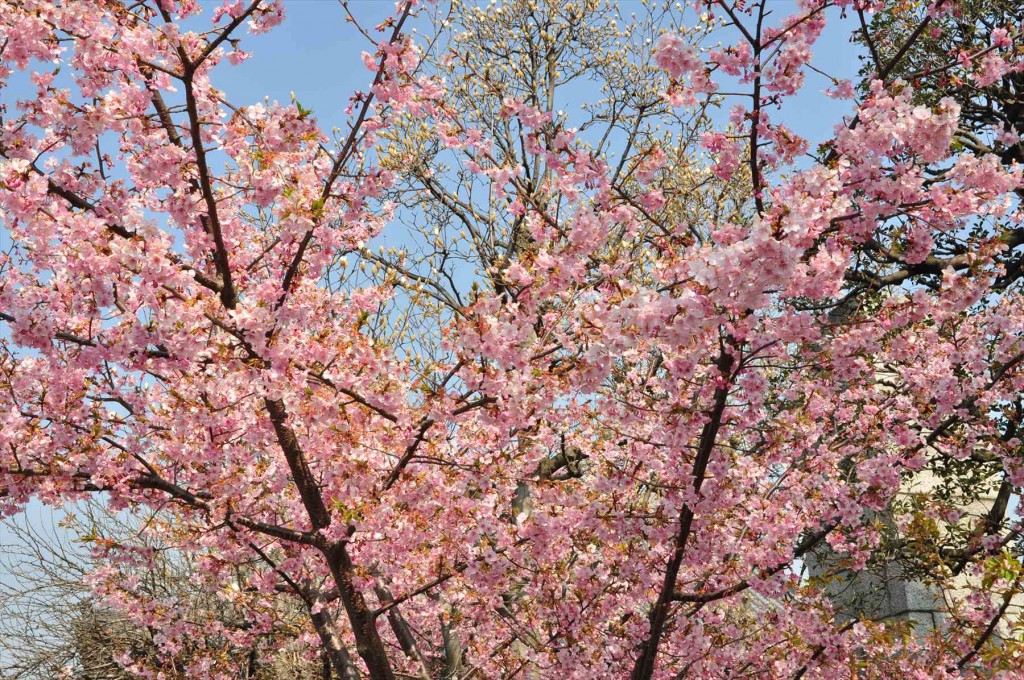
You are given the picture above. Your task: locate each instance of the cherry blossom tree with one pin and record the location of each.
(593, 423)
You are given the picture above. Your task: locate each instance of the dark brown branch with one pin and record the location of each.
(339, 163)
(457, 569)
(81, 203)
(805, 546)
(228, 296)
(648, 652)
(991, 628)
(820, 649)
(421, 434)
(755, 115)
(195, 499)
(225, 33)
(158, 353)
(410, 451)
(309, 490)
(877, 60)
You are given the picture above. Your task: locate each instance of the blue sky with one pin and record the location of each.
(315, 54)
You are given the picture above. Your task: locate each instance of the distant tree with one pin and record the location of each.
(53, 624)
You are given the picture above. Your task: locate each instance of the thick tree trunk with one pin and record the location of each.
(364, 626)
(334, 650)
(400, 627)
